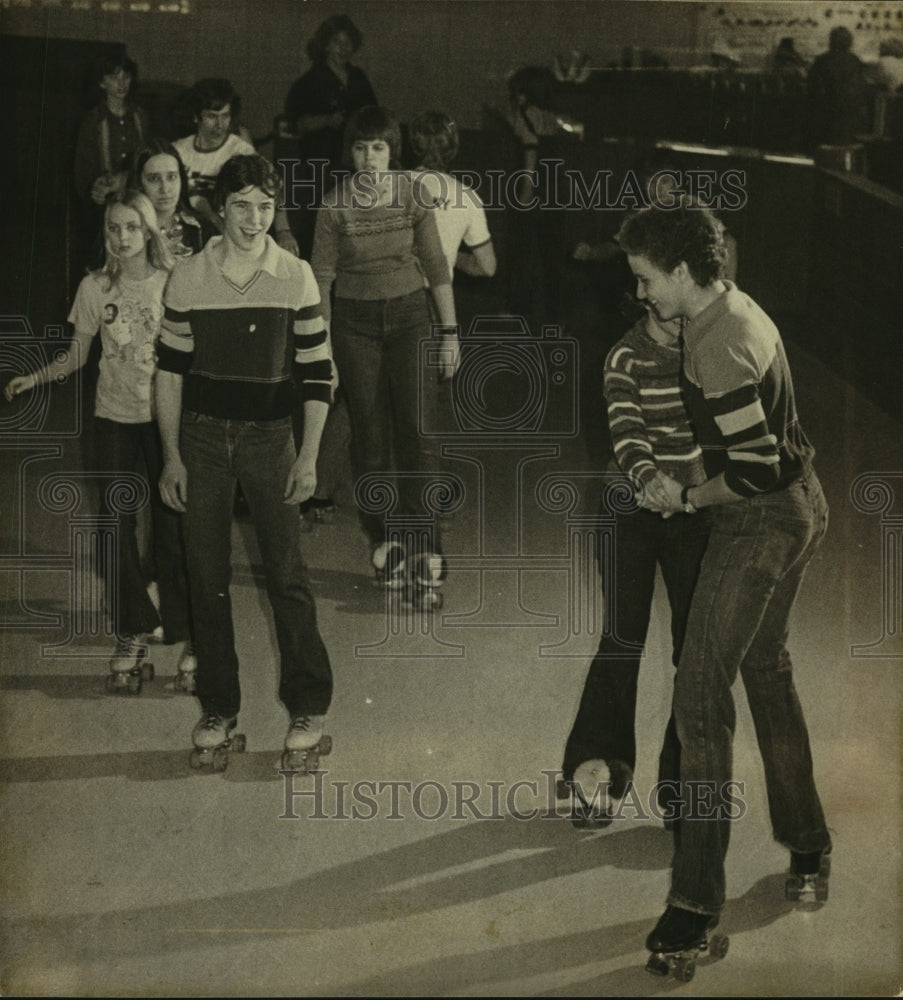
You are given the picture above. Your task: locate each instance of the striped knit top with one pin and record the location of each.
(740, 396)
(649, 425)
(243, 350)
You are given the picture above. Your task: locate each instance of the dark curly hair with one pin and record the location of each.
(665, 237)
(159, 147)
(213, 93)
(240, 172)
(328, 29)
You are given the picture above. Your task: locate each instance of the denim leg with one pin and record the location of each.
(207, 453)
(754, 546)
(795, 809)
(169, 548)
(116, 447)
(685, 539)
(358, 350)
(263, 455)
(605, 723)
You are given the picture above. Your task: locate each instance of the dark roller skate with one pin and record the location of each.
(319, 510)
(808, 878)
(428, 573)
(596, 785)
(305, 744)
(186, 671)
(213, 742)
(678, 939)
(129, 667)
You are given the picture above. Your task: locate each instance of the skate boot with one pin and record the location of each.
(317, 510)
(186, 670)
(428, 574)
(129, 667)
(305, 744)
(808, 878)
(595, 786)
(213, 741)
(678, 939)
(389, 565)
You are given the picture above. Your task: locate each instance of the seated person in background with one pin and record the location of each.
(838, 93)
(785, 60)
(214, 104)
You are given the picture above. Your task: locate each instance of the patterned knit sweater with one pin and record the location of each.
(649, 425)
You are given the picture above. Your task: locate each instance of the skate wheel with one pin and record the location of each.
(657, 966)
(821, 891)
(325, 746)
(684, 969)
(184, 682)
(239, 743)
(220, 759)
(719, 945)
(147, 671)
(303, 761)
(197, 759)
(134, 684)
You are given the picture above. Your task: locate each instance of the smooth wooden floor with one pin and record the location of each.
(126, 873)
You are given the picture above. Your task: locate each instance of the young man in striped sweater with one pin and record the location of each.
(768, 517)
(242, 334)
(652, 439)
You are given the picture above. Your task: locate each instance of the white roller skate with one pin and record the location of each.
(213, 742)
(390, 565)
(305, 743)
(186, 670)
(428, 573)
(596, 786)
(129, 667)
(808, 878)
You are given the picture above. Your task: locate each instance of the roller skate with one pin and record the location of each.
(305, 744)
(186, 670)
(317, 510)
(213, 742)
(678, 939)
(129, 667)
(808, 878)
(428, 573)
(390, 565)
(594, 787)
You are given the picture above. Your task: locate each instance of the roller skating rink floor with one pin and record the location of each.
(426, 858)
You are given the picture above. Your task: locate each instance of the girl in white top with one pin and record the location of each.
(123, 301)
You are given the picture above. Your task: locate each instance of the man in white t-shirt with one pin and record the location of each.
(215, 104)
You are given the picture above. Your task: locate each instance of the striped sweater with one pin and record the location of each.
(243, 350)
(649, 425)
(740, 396)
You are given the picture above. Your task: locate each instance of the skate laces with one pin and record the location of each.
(129, 643)
(211, 722)
(301, 724)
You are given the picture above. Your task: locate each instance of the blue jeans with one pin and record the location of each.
(117, 448)
(605, 723)
(750, 575)
(217, 454)
(376, 345)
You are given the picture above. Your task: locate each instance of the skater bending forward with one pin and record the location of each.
(768, 518)
(652, 439)
(242, 333)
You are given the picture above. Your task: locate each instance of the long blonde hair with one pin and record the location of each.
(158, 252)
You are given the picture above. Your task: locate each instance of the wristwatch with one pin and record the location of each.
(686, 503)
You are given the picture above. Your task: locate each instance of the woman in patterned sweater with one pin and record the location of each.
(375, 242)
(652, 437)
